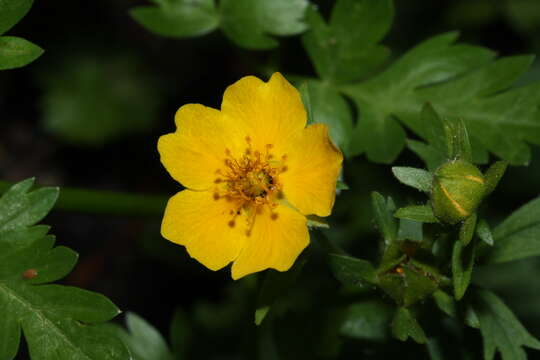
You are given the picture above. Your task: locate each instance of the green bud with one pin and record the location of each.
(458, 189)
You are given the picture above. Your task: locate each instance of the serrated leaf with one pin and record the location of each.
(11, 12)
(405, 326)
(500, 329)
(20, 208)
(420, 213)
(16, 52)
(462, 266)
(143, 340)
(367, 321)
(461, 81)
(352, 271)
(327, 106)
(249, 22)
(518, 236)
(466, 230)
(58, 321)
(417, 178)
(384, 216)
(347, 47)
(180, 18)
(484, 232)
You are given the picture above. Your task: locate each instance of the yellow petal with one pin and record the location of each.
(197, 149)
(313, 165)
(273, 243)
(200, 223)
(269, 113)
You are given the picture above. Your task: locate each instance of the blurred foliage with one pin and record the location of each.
(91, 100)
(354, 293)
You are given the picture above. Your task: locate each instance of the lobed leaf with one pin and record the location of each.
(249, 23)
(500, 329)
(347, 47)
(463, 82)
(58, 321)
(518, 236)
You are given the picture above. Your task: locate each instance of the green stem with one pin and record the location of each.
(105, 202)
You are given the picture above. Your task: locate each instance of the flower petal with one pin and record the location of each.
(269, 112)
(197, 149)
(313, 166)
(200, 223)
(273, 243)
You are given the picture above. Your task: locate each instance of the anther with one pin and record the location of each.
(274, 216)
(284, 168)
(217, 181)
(216, 196)
(231, 223)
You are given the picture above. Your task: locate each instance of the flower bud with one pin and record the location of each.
(458, 188)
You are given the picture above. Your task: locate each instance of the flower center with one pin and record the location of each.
(250, 182)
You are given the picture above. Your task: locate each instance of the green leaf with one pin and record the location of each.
(314, 222)
(143, 340)
(500, 329)
(20, 208)
(518, 236)
(420, 213)
(180, 334)
(11, 12)
(405, 325)
(367, 321)
(466, 230)
(274, 285)
(445, 302)
(410, 230)
(457, 140)
(462, 266)
(178, 18)
(384, 216)
(429, 154)
(16, 52)
(352, 271)
(58, 321)
(484, 232)
(435, 132)
(459, 80)
(248, 22)
(417, 178)
(347, 47)
(494, 174)
(327, 106)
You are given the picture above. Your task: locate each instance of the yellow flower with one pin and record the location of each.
(253, 172)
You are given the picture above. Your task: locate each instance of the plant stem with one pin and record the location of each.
(105, 202)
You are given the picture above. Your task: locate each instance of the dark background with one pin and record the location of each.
(125, 258)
